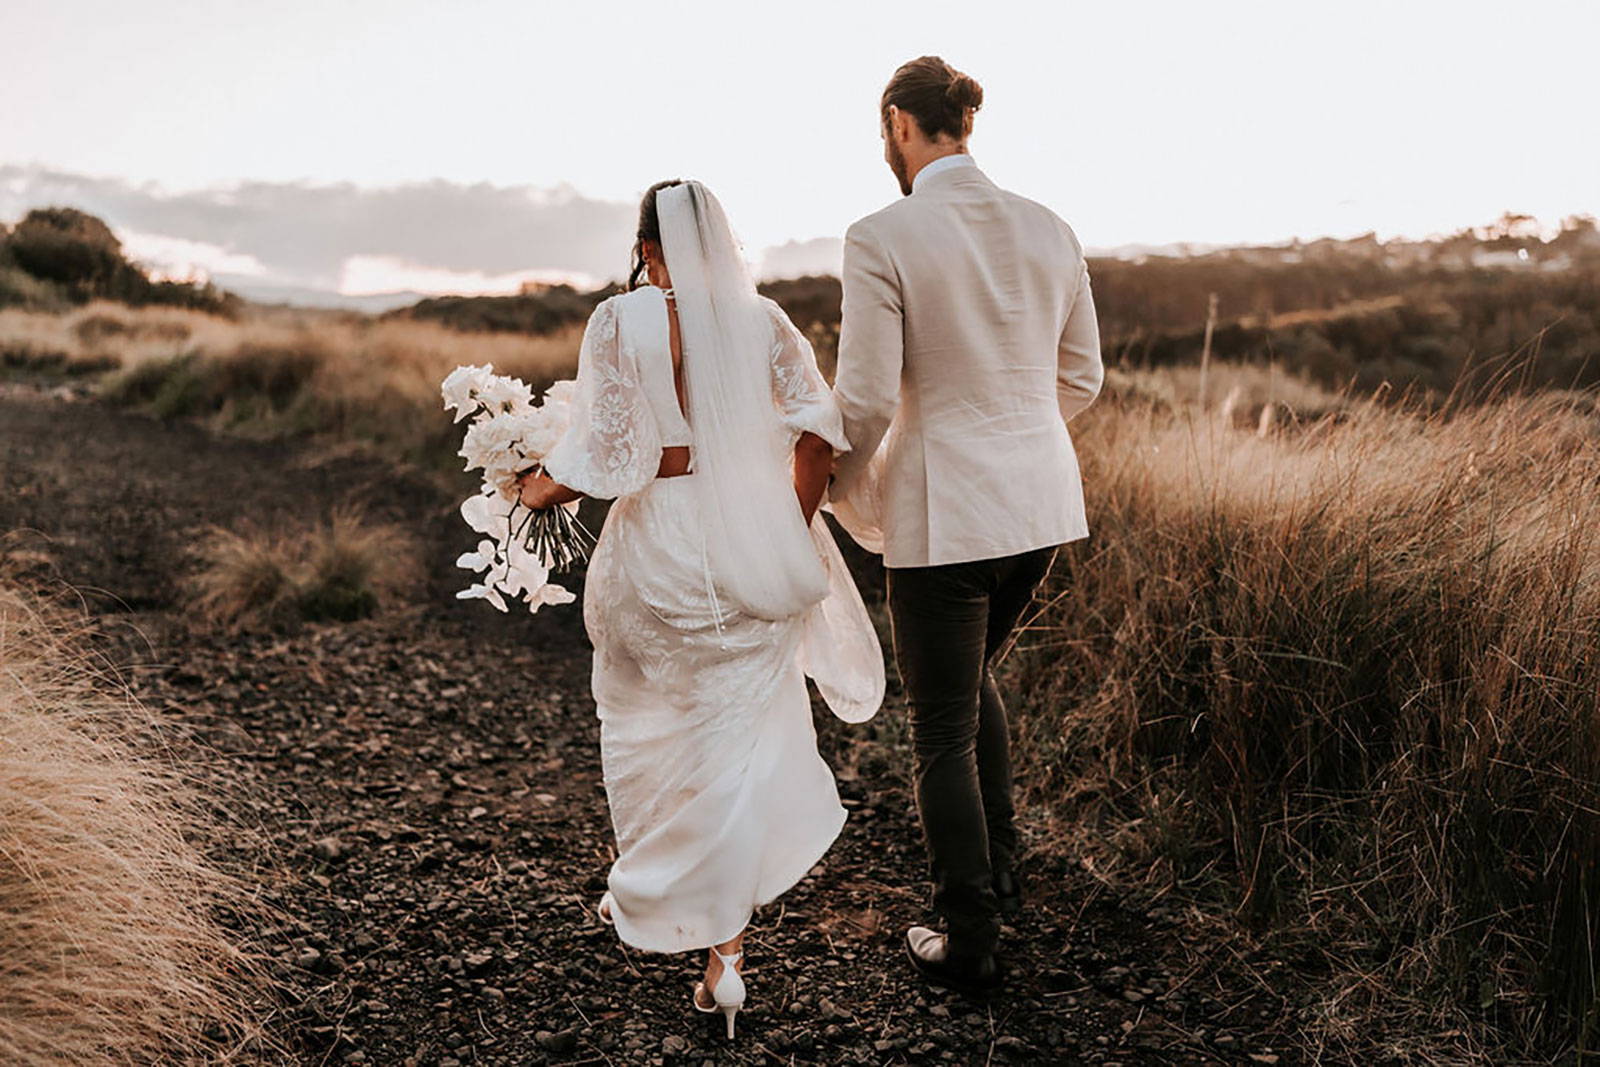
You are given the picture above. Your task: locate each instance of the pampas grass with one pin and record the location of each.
(111, 950)
(343, 569)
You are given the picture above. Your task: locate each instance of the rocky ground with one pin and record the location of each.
(419, 797)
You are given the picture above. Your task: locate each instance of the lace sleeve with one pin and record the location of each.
(804, 401)
(612, 447)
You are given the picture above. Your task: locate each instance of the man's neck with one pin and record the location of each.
(937, 153)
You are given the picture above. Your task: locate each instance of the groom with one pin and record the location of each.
(969, 339)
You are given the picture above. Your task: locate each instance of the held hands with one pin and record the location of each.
(813, 466)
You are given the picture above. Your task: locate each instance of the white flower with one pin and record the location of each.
(509, 434)
(549, 593)
(503, 484)
(487, 513)
(551, 433)
(536, 432)
(462, 386)
(487, 440)
(483, 592)
(503, 471)
(502, 395)
(482, 559)
(561, 394)
(524, 574)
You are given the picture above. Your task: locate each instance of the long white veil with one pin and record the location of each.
(760, 556)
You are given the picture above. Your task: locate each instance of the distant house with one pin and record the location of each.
(1500, 258)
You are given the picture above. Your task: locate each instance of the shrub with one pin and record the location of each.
(18, 288)
(352, 565)
(71, 255)
(68, 247)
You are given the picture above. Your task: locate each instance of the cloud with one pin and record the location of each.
(179, 258)
(317, 242)
(306, 235)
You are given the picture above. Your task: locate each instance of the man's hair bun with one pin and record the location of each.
(939, 97)
(964, 92)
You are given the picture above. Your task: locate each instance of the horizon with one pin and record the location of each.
(372, 277)
(372, 148)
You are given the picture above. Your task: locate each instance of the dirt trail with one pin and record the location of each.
(420, 796)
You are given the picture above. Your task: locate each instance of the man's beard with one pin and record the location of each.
(897, 163)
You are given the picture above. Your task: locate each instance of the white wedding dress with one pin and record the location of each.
(719, 799)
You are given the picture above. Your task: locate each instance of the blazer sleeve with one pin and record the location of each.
(871, 352)
(1079, 372)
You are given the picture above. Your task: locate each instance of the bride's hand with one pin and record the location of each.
(538, 491)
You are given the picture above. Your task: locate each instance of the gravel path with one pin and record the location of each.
(419, 796)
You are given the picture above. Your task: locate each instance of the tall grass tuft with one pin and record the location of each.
(1346, 674)
(344, 569)
(111, 950)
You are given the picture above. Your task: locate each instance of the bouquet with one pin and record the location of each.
(509, 436)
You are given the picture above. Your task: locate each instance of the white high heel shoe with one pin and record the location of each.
(727, 993)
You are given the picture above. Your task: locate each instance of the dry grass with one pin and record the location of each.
(1332, 662)
(104, 335)
(1345, 674)
(344, 569)
(111, 952)
(280, 372)
(1239, 392)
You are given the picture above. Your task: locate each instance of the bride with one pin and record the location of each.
(714, 591)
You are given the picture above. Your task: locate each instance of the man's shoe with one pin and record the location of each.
(1008, 892)
(974, 976)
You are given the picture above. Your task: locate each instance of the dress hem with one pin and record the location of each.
(788, 882)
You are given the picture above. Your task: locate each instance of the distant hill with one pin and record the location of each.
(550, 309)
(258, 292)
(538, 310)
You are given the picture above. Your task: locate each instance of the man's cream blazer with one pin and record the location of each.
(969, 340)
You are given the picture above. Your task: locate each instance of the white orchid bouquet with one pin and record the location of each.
(508, 437)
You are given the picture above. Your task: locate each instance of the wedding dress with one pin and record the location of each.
(708, 599)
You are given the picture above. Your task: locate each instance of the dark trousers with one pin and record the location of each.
(949, 622)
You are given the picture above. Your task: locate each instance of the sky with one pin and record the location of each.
(354, 145)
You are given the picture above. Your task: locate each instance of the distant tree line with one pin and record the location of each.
(1367, 325)
(1343, 312)
(552, 308)
(549, 309)
(59, 257)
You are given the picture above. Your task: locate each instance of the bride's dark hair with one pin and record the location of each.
(649, 229)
